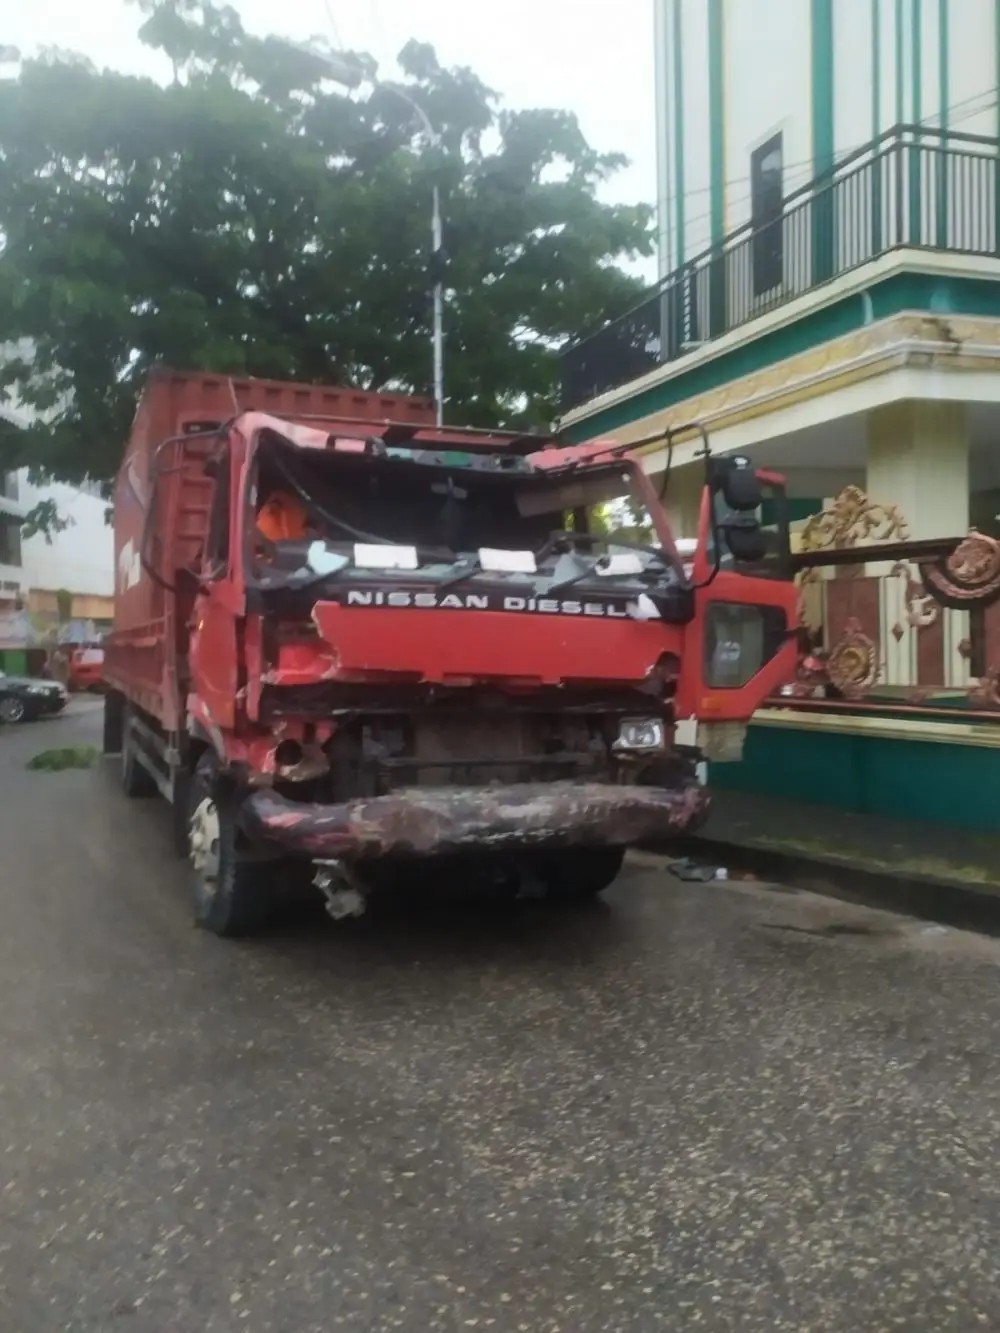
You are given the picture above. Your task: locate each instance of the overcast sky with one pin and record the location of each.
(594, 57)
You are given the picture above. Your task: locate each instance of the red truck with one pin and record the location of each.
(351, 642)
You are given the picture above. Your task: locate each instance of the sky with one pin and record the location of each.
(594, 57)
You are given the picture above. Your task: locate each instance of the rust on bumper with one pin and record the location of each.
(448, 820)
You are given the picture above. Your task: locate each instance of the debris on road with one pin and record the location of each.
(692, 873)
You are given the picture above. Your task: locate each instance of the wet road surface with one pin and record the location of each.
(697, 1107)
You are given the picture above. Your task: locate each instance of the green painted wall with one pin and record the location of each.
(821, 26)
(876, 179)
(678, 144)
(916, 113)
(902, 779)
(14, 661)
(944, 93)
(716, 165)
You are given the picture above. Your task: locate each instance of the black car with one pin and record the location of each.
(22, 699)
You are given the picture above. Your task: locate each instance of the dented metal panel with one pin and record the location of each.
(436, 821)
(435, 647)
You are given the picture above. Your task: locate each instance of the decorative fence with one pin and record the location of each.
(893, 625)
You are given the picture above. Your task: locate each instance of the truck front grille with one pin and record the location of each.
(469, 749)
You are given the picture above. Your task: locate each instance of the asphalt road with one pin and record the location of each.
(721, 1107)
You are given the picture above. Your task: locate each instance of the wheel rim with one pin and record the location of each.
(203, 840)
(11, 710)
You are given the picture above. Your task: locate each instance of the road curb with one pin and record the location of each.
(952, 902)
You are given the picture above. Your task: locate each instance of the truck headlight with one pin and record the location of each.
(640, 735)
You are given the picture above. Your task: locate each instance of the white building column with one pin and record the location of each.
(918, 460)
(683, 498)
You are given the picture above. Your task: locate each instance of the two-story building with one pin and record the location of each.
(829, 305)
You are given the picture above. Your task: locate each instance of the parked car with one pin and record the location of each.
(23, 698)
(85, 669)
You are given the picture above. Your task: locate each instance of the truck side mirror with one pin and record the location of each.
(745, 539)
(740, 486)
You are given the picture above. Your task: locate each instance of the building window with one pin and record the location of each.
(767, 202)
(10, 541)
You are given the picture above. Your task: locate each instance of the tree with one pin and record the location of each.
(247, 218)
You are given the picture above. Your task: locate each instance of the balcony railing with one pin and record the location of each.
(913, 187)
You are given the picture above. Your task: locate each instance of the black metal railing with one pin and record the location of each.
(913, 186)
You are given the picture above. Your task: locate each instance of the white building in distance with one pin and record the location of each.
(60, 586)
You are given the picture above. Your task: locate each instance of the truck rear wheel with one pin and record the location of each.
(581, 873)
(137, 781)
(114, 722)
(232, 896)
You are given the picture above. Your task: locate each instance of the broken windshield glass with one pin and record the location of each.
(320, 514)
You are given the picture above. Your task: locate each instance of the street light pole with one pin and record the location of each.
(438, 334)
(349, 74)
(437, 243)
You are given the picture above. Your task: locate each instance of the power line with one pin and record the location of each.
(927, 122)
(795, 166)
(379, 28)
(333, 25)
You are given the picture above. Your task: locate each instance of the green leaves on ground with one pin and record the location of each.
(70, 756)
(247, 218)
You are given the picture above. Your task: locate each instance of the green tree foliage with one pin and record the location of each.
(249, 218)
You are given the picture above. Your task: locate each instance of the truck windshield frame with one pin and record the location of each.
(537, 504)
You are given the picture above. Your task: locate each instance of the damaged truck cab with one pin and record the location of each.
(352, 641)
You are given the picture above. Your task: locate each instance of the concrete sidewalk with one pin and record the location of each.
(940, 872)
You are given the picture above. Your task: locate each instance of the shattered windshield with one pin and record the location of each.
(496, 519)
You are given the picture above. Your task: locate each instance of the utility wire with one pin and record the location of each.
(333, 25)
(793, 166)
(927, 122)
(379, 27)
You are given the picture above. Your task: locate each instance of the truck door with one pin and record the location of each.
(218, 607)
(741, 645)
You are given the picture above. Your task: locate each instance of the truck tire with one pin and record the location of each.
(581, 873)
(137, 782)
(180, 809)
(232, 896)
(114, 722)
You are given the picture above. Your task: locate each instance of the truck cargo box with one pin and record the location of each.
(169, 445)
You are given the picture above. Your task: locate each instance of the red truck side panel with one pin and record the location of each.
(145, 653)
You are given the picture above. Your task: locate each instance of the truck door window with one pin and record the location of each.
(772, 517)
(216, 562)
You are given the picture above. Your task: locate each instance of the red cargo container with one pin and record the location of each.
(176, 408)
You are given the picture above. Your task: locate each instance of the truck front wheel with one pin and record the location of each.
(580, 873)
(233, 895)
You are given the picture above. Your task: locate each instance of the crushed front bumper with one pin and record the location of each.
(447, 820)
